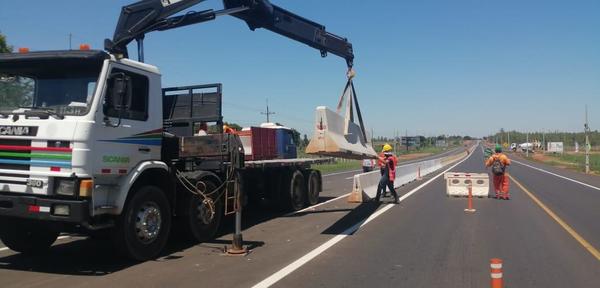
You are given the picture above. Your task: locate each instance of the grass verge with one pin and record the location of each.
(570, 161)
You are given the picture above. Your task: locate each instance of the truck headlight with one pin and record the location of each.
(65, 186)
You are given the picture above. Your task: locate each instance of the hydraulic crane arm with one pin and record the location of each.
(145, 16)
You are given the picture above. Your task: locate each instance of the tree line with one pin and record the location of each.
(568, 138)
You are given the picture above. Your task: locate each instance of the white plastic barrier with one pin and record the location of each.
(457, 184)
(365, 185)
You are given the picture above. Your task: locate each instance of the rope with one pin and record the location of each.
(199, 189)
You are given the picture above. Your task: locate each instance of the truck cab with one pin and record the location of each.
(77, 129)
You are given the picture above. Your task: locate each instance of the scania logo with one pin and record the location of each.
(17, 131)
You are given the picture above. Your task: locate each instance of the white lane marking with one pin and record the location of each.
(323, 247)
(59, 238)
(557, 175)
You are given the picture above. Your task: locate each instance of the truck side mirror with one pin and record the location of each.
(119, 96)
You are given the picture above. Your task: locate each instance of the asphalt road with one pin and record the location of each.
(429, 241)
(425, 241)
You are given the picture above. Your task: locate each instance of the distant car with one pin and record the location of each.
(526, 146)
(368, 165)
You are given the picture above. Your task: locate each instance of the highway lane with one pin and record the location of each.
(577, 204)
(428, 241)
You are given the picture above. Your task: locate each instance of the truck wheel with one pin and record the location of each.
(27, 236)
(203, 219)
(313, 184)
(143, 228)
(297, 191)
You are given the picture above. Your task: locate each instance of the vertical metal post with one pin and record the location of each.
(544, 140)
(237, 245)
(372, 136)
(140, 45)
(526, 144)
(70, 40)
(406, 134)
(237, 237)
(587, 143)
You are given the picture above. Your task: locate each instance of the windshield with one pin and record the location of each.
(44, 87)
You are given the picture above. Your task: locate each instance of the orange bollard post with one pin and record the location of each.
(496, 273)
(470, 209)
(419, 173)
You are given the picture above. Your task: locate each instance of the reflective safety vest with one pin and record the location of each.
(379, 162)
(392, 168)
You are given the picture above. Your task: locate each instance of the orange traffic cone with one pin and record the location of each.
(496, 273)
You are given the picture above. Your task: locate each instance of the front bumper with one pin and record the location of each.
(32, 207)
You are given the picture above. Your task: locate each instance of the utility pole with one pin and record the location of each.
(544, 140)
(527, 145)
(372, 136)
(70, 41)
(406, 140)
(268, 113)
(587, 143)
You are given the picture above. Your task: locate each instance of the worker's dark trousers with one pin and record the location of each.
(382, 171)
(385, 182)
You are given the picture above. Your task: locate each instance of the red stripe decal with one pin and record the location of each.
(30, 148)
(55, 169)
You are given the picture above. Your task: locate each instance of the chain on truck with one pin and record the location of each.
(94, 143)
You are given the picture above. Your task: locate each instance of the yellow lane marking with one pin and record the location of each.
(558, 220)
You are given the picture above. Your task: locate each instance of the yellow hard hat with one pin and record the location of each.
(387, 148)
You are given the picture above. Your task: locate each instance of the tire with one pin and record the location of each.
(297, 192)
(142, 230)
(313, 185)
(27, 236)
(200, 224)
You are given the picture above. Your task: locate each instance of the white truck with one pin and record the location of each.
(89, 140)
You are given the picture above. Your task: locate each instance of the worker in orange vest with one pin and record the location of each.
(388, 165)
(499, 161)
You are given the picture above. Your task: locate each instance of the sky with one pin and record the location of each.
(460, 67)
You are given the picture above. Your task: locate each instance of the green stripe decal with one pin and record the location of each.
(36, 155)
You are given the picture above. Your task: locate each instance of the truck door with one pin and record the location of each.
(132, 131)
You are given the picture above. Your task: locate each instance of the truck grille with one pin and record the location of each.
(14, 159)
